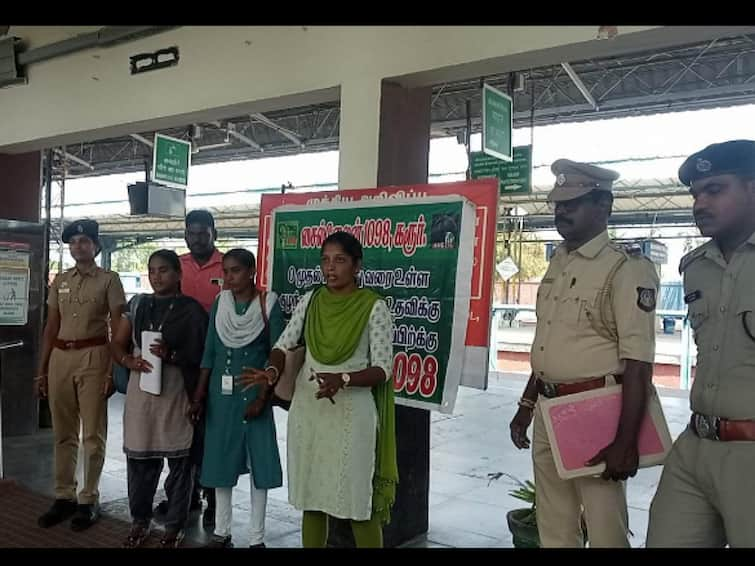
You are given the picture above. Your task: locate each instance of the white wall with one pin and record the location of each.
(88, 92)
(229, 71)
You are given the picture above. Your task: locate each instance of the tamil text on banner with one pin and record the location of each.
(482, 193)
(418, 255)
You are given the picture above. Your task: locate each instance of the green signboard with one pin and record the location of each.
(515, 177)
(170, 161)
(418, 255)
(497, 122)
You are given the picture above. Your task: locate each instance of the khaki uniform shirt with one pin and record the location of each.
(574, 312)
(721, 301)
(85, 300)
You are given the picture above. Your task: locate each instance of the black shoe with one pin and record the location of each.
(258, 545)
(61, 510)
(85, 517)
(216, 541)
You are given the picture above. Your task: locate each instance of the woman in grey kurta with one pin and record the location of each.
(155, 427)
(240, 431)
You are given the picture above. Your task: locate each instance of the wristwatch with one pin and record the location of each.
(346, 378)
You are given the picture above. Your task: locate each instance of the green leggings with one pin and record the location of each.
(314, 531)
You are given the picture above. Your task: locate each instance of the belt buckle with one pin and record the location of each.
(550, 389)
(707, 427)
(70, 345)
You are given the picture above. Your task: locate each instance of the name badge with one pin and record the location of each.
(67, 290)
(692, 297)
(226, 387)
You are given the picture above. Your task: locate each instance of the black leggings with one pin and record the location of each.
(143, 477)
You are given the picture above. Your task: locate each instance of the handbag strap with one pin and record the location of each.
(134, 306)
(263, 303)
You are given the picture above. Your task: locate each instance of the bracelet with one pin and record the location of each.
(123, 359)
(275, 369)
(527, 403)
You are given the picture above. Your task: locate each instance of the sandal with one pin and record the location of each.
(172, 539)
(136, 536)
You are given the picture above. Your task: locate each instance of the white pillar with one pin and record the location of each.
(359, 132)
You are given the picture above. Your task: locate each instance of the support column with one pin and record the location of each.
(20, 195)
(402, 150)
(358, 134)
(21, 186)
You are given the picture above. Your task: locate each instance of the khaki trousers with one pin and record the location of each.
(559, 502)
(75, 384)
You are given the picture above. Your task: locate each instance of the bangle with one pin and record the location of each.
(527, 403)
(275, 369)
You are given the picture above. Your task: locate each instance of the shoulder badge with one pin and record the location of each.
(646, 299)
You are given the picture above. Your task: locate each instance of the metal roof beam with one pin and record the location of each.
(580, 85)
(142, 139)
(285, 132)
(78, 160)
(231, 129)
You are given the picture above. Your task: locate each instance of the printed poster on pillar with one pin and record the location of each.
(418, 255)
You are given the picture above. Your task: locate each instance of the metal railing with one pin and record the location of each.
(502, 312)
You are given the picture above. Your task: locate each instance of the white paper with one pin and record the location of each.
(151, 382)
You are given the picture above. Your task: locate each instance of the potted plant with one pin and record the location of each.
(522, 522)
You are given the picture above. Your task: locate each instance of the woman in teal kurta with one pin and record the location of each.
(240, 430)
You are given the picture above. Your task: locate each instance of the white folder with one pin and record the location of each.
(151, 382)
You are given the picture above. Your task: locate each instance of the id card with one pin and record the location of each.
(226, 387)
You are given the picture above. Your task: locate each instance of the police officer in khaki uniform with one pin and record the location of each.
(706, 496)
(75, 373)
(595, 327)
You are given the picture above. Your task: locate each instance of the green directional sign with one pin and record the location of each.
(170, 161)
(497, 122)
(514, 177)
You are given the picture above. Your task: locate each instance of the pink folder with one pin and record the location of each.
(580, 425)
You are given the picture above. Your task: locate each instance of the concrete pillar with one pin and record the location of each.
(358, 134)
(20, 186)
(20, 195)
(403, 147)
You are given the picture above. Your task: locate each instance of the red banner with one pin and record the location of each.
(483, 193)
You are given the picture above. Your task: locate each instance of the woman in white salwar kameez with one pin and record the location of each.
(341, 424)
